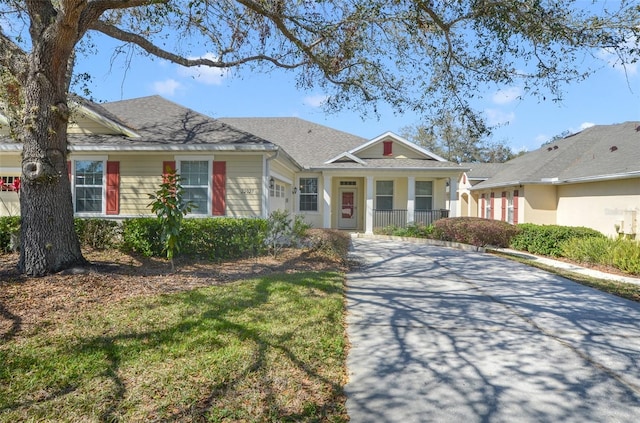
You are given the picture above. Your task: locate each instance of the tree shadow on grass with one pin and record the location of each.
(204, 312)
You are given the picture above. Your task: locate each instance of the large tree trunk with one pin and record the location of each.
(48, 240)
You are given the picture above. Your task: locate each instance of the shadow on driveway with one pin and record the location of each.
(442, 335)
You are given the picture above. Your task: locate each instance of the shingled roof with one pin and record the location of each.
(310, 144)
(600, 152)
(154, 123)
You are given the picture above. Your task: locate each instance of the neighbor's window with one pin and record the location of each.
(424, 195)
(194, 176)
(384, 195)
(308, 194)
(88, 179)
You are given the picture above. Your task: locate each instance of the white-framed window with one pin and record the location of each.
(384, 195)
(89, 179)
(277, 190)
(308, 194)
(195, 178)
(424, 195)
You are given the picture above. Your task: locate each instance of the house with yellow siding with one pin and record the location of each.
(589, 179)
(242, 167)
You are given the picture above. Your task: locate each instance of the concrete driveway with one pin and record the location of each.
(443, 335)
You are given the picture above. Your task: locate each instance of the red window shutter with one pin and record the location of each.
(113, 187)
(515, 206)
(493, 195)
(504, 205)
(387, 148)
(219, 205)
(168, 166)
(69, 169)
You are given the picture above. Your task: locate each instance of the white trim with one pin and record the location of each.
(103, 120)
(282, 178)
(348, 155)
(327, 191)
(209, 159)
(368, 219)
(81, 158)
(401, 140)
(159, 147)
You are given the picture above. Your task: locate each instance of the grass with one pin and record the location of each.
(621, 289)
(270, 349)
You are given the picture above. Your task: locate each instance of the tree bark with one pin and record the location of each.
(48, 240)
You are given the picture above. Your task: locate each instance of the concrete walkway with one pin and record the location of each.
(444, 335)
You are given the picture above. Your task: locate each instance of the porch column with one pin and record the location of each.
(368, 216)
(411, 198)
(453, 197)
(326, 208)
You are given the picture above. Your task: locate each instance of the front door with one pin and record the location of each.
(348, 217)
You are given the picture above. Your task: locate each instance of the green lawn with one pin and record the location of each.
(266, 349)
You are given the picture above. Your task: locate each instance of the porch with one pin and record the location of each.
(402, 217)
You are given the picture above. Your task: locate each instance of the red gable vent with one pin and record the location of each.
(387, 148)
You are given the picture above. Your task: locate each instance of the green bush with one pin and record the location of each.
(626, 256)
(620, 253)
(8, 225)
(591, 249)
(474, 231)
(413, 230)
(283, 231)
(223, 238)
(547, 239)
(142, 235)
(97, 233)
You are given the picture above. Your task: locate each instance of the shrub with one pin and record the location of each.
(413, 230)
(626, 256)
(592, 249)
(97, 233)
(169, 204)
(223, 238)
(547, 239)
(282, 231)
(331, 242)
(142, 235)
(474, 231)
(8, 225)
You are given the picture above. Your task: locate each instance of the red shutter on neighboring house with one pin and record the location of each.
(387, 148)
(492, 205)
(219, 206)
(504, 205)
(113, 187)
(515, 206)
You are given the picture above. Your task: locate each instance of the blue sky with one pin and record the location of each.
(610, 96)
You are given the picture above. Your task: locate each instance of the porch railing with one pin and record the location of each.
(398, 217)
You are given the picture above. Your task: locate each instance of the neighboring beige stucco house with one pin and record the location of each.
(590, 179)
(243, 167)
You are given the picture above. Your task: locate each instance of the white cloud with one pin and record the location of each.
(166, 87)
(204, 74)
(315, 100)
(585, 125)
(499, 117)
(612, 59)
(507, 95)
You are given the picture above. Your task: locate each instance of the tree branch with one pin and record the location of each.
(151, 48)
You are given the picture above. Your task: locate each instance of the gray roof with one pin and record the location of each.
(483, 171)
(308, 143)
(162, 124)
(597, 153)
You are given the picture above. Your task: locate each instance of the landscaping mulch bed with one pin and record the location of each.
(113, 276)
